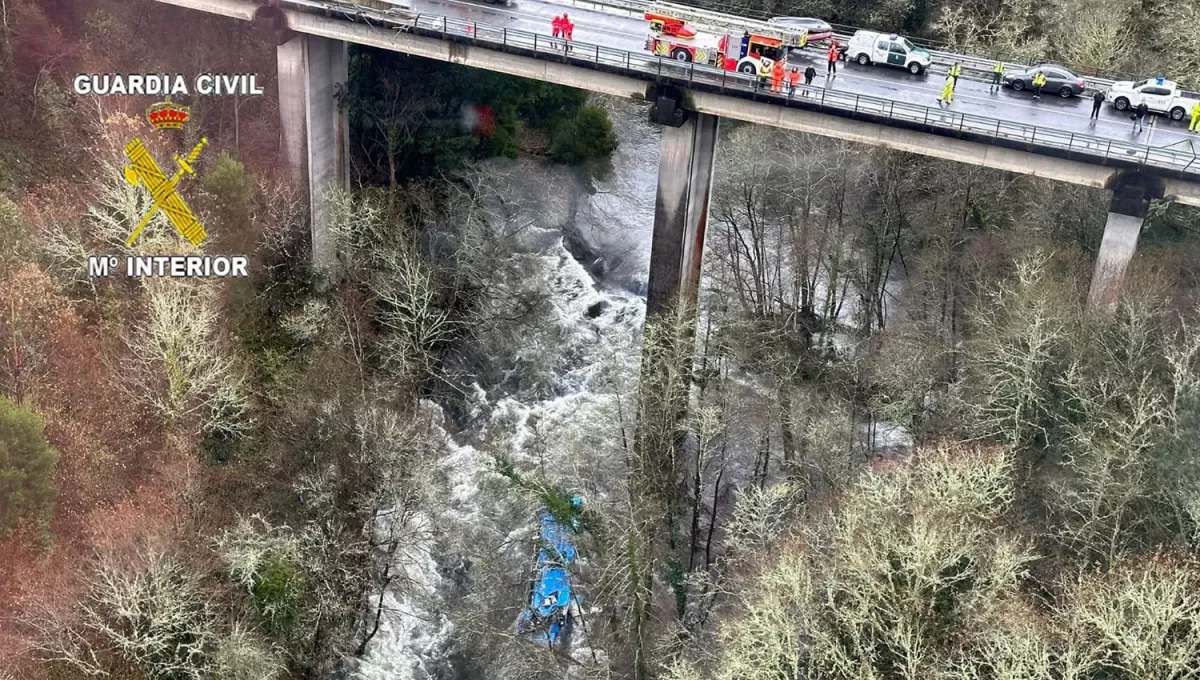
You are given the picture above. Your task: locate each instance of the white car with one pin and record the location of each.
(1161, 96)
(868, 47)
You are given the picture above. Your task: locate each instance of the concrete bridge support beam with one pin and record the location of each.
(315, 132)
(1127, 212)
(662, 440)
(685, 177)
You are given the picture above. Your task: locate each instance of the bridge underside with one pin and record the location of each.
(859, 129)
(314, 140)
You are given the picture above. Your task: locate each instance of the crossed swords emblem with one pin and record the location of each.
(145, 171)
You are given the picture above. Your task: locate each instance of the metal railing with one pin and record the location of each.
(943, 56)
(747, 86)
(942, 53)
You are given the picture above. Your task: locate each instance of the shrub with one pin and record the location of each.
(276, 592)
(586, 136)
(231, 186)
(13, 232)
(26, 464)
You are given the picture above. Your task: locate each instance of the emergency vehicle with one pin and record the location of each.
(1161, 96)
(742, 48)
(868, 47)
(668, 25)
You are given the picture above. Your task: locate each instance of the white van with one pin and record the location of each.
(868, 47)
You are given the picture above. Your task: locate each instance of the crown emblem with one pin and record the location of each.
(167, 115)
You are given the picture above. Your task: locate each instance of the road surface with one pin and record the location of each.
(970, 97)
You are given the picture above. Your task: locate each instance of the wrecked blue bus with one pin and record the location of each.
(549, 614)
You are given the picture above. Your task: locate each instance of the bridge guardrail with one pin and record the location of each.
(942, 52)
(981, 65)
(739, 84)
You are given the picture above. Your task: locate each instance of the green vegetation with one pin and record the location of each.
(586, 136)
(232, 189)
(26, 467)
(272, 459)
(421, 118)
(14, 234)
(556, 501)
(277, 588)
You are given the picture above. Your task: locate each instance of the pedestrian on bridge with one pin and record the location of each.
(764, 71)
(809, 74)
(793, 81)
(1097, 102)
(1039, 81)
(997, 74)
(955, 72)
(1195, 124)
(1139, 117)
(568, 28)
(948, 91)
(831, 69)
(557, 24)
(777, 76)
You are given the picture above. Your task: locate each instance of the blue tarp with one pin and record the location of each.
(548, 613)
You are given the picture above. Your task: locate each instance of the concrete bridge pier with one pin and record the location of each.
(662, 440)
(315, 132)
(685, 178)
(1132, 193)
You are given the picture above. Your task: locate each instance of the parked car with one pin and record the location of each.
(868, 47)
(1161, 96)
(1058, 80)
(817, 29)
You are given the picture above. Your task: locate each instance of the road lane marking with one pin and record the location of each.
(909, 91)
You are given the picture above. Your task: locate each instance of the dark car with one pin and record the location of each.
(817, 29)
(1058, 79)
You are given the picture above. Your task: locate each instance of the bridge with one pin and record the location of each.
(1051, 138)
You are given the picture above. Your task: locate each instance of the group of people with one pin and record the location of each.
(563, 26)
(1038, 82)
(1140, 111)
(1098, 98)
(951, 83)
(778, 73)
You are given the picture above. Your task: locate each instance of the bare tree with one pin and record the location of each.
(150, 611)
(1008, 367)
(179, 367)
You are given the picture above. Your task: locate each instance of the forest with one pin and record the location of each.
(888, 442)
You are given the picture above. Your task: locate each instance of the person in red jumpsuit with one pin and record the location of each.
(568, 27)
(556, 23)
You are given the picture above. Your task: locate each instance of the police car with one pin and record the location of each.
(1161, 96)
(868, 47)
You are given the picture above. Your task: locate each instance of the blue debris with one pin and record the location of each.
(547, 618)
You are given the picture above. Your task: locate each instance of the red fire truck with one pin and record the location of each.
(668, 25)
(746, 53)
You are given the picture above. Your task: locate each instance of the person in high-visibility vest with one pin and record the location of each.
(568, 27)
(997, 74)
(1039, 81)
(1195, 124)
(764, 71)
(777, 76)
(794, 80)
(831, 69)
(556, 24)
(955, 72)
(947, 92)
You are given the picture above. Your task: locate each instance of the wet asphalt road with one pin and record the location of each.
(970, 97)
